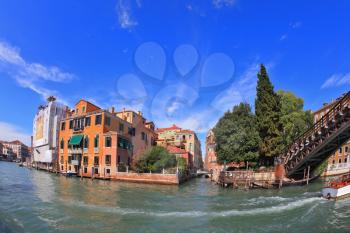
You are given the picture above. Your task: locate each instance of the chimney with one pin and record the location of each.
(123, 109)
(140, 113)
(111, 110)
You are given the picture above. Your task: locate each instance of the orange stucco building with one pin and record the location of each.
(96, 142)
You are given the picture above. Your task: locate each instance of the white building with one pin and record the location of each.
(45, 133)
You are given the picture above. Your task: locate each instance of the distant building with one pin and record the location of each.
(45, 134)
(339, 161)
(211, 164)
(183, 139)
(96, 142)
(181, 153)
(15, 150)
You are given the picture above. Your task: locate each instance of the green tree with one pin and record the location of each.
(268, 112)
(294, 119)
(155, 160)
(181, 163)
(236, 135)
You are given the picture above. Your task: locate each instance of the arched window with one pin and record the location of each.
(96, 141)
(62, 144)
(86, 142)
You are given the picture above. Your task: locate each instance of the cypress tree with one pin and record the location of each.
(268, 110)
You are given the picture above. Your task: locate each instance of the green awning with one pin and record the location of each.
(75, 140)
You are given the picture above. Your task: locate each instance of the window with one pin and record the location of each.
(108, 159)
(96, 160)
(86, 142)
(83, 109)
(108, 121)
(61, 168)
(340, 150)
(87, 121)
(85, 169)
(121, 127)
(62, 144)
(77, 110)
(346, 149)
(96, 141)
(189, 136)
(71, 124)
(108, 170)
(143, 135)
(333, 162)
(96, 170)
(62, 159)
(85, 159)
(118, 158)
(131, 131)
(124, 143)
(345, 160)
(98, 119)
(339, 161)
(108, 141)
(63, 126)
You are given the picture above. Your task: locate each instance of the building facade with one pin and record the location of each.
(97, 143)
(339, 161)
(184, 139)
(142, 131)
(15, 150)
(45, 134)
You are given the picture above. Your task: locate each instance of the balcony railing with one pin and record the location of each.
(74, 150)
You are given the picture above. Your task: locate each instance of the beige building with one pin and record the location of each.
(339, 161)
(16, 149)
(184, 139)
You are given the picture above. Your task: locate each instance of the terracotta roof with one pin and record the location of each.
(175, 150)
(186, 131)
(173, 127)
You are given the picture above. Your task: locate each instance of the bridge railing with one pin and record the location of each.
(317, 128)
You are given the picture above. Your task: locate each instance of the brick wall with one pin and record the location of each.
(147, 178)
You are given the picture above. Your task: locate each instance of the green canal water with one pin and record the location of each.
(36, 201)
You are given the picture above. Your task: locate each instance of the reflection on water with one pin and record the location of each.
(35, 201)
(44, 186)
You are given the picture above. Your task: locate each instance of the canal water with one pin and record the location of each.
(36, 201)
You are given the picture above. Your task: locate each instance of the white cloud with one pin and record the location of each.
(283, 37)
(223, 3)
(243, 89)
(295, 25)
(125, 17)
(10, 132)
(336, 80)
(30, 75)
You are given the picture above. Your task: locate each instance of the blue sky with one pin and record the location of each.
(183, 62)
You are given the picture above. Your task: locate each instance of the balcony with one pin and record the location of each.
(74, 150)
(75, 162)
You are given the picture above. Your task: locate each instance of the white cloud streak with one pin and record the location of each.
(10, 132)
(223, 3)
(124, 12)
(30, 75)
(336, 80)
